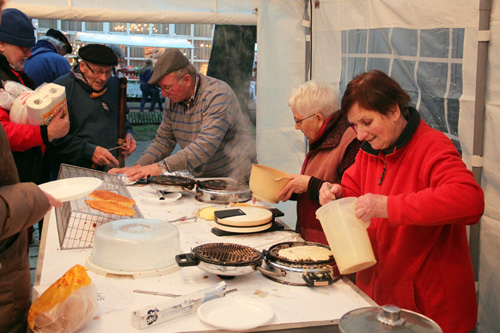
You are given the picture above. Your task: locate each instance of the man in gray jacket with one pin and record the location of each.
(202, 115)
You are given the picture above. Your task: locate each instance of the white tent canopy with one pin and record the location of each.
(429, 46)
(133, 40)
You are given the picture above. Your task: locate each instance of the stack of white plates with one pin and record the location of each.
(251, 219)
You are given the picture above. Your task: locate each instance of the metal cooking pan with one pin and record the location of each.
(171, 183)
(226, 260)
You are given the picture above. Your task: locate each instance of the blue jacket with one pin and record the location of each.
(45, 64)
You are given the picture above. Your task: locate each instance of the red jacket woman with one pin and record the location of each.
(412, 184)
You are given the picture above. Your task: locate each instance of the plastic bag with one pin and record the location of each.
(11, 90)
(67, 305)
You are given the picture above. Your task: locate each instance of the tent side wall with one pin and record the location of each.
(332, 21)
(280, 68)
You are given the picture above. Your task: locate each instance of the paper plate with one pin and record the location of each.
(153, 197)
(71, 188)
(235, 313)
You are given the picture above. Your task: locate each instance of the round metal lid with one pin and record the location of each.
(386, 318)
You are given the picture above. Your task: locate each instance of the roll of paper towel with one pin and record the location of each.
(45, 102)
(19, 112)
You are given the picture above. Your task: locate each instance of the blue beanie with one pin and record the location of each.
(16, 28)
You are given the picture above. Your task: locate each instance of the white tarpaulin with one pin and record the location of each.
(429, 46)
(144, 11)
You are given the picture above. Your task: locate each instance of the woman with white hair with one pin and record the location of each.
(332, 149)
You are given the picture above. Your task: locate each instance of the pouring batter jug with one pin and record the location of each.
(346, 235)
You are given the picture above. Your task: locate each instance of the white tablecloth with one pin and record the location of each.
(294, 306)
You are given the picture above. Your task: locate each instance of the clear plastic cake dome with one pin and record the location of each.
(140, 247)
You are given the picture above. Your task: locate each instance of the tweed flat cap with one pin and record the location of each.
(170, 61)
(98, 54)
(60, 37)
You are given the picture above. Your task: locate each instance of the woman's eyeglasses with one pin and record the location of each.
(301, 120)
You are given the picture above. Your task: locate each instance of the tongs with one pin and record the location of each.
(110, 149)
(161, 194)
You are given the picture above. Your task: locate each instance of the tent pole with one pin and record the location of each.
(479, 114)
(307, 23)
(308, 36)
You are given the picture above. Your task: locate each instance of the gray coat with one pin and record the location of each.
(21, 206)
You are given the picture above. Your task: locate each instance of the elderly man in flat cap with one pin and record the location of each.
(92, 95)
(203, 116)
(21, 204)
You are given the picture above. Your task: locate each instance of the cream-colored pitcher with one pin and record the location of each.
(346, 235)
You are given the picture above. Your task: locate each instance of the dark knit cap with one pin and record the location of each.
(98, 54)
(16, 28)
(60, 37)
(170, 61)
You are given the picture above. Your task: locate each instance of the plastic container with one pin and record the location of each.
(346, 235)
(266, 182)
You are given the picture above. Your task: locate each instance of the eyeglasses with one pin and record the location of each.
(25, 49)
(168, 89)
(301, 120)
(98, 73)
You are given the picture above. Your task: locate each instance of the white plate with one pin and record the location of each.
(235, 313)
(71, 188)
(153, 197)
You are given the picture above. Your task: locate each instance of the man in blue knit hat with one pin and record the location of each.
(27, 142)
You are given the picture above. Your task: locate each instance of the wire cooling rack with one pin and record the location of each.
(76, 221)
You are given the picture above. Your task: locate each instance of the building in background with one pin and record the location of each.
(197, 39)
(200, 36)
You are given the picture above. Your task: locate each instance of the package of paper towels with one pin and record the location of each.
(44, 102)
(19, 112)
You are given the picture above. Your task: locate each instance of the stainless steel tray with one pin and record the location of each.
(76, 221)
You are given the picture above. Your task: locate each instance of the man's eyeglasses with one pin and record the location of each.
(98, 73)
(301, 120)
(25, 49)
(168, 89)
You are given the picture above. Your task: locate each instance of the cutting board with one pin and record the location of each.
(243, 216)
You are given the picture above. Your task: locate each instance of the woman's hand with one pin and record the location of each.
(329, 192)
(298, 184)
(371, 206)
